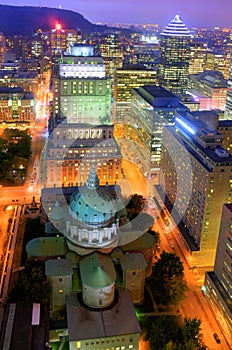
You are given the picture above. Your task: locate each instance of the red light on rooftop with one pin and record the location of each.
(58, 26)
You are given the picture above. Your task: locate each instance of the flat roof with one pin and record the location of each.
(58, 267)
(159, 97)
(146, 241)
(87, 323)
(133, 261)
(210, 153)
(158, 91)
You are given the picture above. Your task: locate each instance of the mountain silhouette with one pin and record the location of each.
(25, 20)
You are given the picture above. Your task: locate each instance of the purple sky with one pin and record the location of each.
(193, 12)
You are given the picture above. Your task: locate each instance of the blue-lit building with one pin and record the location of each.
(174, 56)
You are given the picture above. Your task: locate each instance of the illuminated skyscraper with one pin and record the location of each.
(174, 56)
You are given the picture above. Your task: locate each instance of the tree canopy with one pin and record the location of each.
(171, 333)
(32, 285)
(168, 283)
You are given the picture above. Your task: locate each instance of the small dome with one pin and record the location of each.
(97, 270)
(94, 205)
(57, 214)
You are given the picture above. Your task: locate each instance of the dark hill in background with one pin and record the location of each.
(25, 20)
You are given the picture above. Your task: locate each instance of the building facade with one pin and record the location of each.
(213, 85)
(151, 108)
(82, 99)
(228, 108)
(16, 106)
(217, 285)
(198, 55)
(130, 78)
(196, 178)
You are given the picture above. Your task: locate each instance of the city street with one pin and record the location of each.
(195, 305)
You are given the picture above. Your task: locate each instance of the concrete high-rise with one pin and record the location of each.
(218, 283)
(174, 56)
(197, 180)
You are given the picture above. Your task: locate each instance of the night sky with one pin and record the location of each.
(193, 12)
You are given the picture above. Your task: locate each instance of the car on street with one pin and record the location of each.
(216, 337)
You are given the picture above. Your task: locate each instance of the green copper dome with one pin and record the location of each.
(94, 206)
(57, 214)
(97, 270)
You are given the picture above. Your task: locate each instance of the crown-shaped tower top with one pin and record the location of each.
(176, 28)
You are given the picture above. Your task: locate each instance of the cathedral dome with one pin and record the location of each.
(94, 205)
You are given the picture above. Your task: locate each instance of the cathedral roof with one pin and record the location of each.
(176, 28)
(47, 246)
(93, 205)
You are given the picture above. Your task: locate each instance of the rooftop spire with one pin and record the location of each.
(93, 180)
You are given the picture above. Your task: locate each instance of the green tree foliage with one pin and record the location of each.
(32, 285)
(170, 333)
(161, 330)
(15, 151)
(169, 286)
(189, 336)
(135, 205)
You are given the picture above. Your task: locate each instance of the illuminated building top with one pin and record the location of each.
(81, 50)
(206, 139)
(80, 62)
(176, 28)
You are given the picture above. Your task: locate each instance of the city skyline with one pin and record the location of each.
(197, 13)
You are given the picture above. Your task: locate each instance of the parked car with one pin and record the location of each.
(216, 337)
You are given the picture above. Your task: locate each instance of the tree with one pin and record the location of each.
(168, 265)
(170, 333)
(161, 330)
(32, 285)
(168, 283)
(189, 336)
(136, 203)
